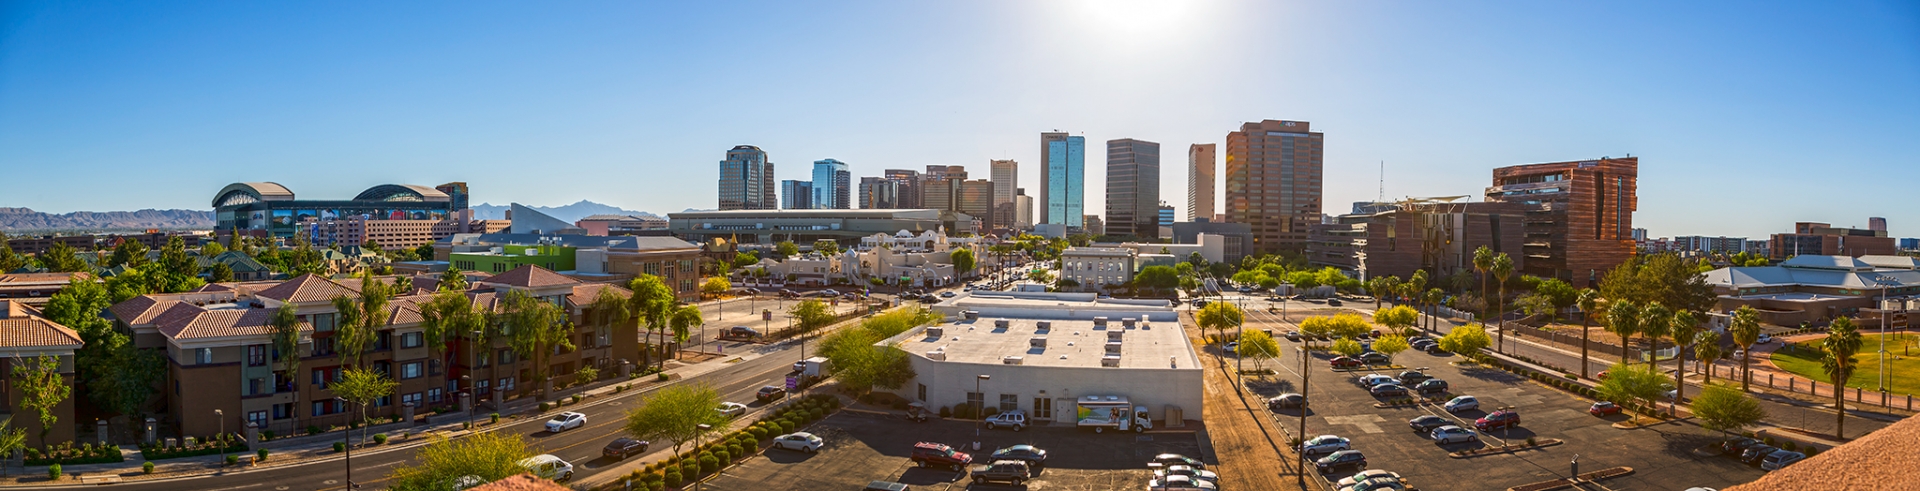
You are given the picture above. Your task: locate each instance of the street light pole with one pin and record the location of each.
(1303, 412)
(473, 362)
(978, 407)
(345, 439)
(697, 437)
(221, 440)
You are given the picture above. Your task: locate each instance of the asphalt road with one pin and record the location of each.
(581, 446)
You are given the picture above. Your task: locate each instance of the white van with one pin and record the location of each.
(547, 466)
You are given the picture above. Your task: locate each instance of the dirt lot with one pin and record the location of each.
(1252, 449)
(862, 447)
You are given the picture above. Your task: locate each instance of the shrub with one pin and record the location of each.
(576, 398)
(53, 472)
(545, 406)
(662, 377)
(1811, 450)
(339, 447)
(946, 412)
(313, 430)
(353, 425)
(466, 425)
(990, 411)
(494, 418)
(379, 438)
(758, 432)
(260, 455)
(266, 435)
(1767, 440)
(146, 467)
(233, 459)
(671, 478)
(1529, 441)
(1790, 446)
(786, 426)
(736, 450)
(722, 455)
(709, 463)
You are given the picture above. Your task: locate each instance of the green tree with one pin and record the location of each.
(1380, 287)
(1433, 297)
(1707, 348)
(859, 365)
(285, 322)
(361, 318)
(219, 273)
(1655, 322)
(1628, 382)
(1725, 409)
(1347, 347)
(179, 266)
(41, 389)
(1398, 317)
(683, 320)
(109, 370)
(1390, 345)
(11, 439)
(9, 261)
(1466, 340)
(1684, 328)
(651, 304)
(1483, 262)
(826, 247)
(810, 315)
(362, 387)
(1503, 269)
(452, 279)
(1665, 278)
(785, 249)
(1416, 287)
(130, 253)
(439, 466)
(675, 413)
(1257, 347)
(742, 259)
(1745, 329)
(715, 286)
(534, 328)
(962, 262)
(211, 249)
(451, 314)
(1219, 316)
(1558, 293)
(1842, 342)
(1587, 300)
(63, 259)
(1157, 277)
(1623, 319)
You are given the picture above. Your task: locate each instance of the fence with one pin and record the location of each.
(1794, 384)
(1573, 341)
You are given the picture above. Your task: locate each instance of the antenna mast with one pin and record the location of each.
(1383, 183)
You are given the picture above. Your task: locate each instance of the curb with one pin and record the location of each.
(1505, 449)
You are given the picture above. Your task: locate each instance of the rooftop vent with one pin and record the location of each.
(1000, 323)
(1100, 321)
(1113, 347)
(936, 331)
(1037, 341)
(1011, 360)
(1126, 322)
(1110, 361)
(1044, 325)
(971, 314)
(937, 355)
(1114, 336)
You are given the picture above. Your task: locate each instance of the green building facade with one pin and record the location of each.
(552, 257)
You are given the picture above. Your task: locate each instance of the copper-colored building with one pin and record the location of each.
(1273, 182)
(1579, 222)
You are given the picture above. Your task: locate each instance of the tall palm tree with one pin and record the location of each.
(651, 303)
(1482, 262)
(1623, 319)
(1416, 286)
(1706, 347)
(1433, 297)
(1587, 299)
(1502, 268)
(1684, 328)
(1841, 344)
(1745, 329)
(1655, 321)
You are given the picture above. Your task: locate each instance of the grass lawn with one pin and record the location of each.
(1903, 362)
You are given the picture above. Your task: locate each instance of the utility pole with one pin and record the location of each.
(1302, 436)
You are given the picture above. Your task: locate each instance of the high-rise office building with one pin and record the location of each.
(975, 198)
(796, 195)
(1090, 224)
(1167, 215)
(746, 180)
(832, 185)
(907, 182)
(879, 193)
(1273, 182)
(1062, 179)
(1877, 224)
(1022, 210)
(1200, 181)
(1006, 179)
(1579, 223)
(1133, 188)
(940, 187)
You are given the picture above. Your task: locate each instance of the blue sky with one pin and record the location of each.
(1747, 116)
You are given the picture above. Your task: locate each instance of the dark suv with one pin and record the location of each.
(929, 454)
(770, 393)
(1008, 471)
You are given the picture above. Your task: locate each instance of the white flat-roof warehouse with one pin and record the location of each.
(1041, 351)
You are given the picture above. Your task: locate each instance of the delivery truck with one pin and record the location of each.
(1102, 412)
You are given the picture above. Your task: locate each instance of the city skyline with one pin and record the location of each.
(1701, 91)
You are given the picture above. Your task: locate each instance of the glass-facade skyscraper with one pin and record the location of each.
(746, 180)
(832, 185)
(1063, 178)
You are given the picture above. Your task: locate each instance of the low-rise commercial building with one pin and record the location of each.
(1042, 352)
(1820, 288)
(590, 258)
(1236, 238)
(800, 226)
(1097, 268)
(1820, 239)
(620, 224)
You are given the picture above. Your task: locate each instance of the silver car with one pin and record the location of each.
(1452, 434)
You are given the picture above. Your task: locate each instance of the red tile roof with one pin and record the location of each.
(307, 288)
(585, 293)
(182, 323)
(24, 328)
(140, 310)
(530, 277)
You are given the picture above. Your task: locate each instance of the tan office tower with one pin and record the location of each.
(975, 198)
(1200, 181)
(1006, 178)
(1273, 183)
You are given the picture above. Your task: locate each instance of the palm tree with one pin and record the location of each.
(1623, 319)
(1587, 299)
(1433, 297)
(1683, 329)
(1482, 262)
(1655, 322)
(651, 303)
(1707, 348)
(1503, 269)
(1416, 286)
(1745, 329)
(1841, 344)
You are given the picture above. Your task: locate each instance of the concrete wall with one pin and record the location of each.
(947, 384)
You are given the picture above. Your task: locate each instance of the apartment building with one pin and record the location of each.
(28, 335)
(1579, 221)
(220, 353)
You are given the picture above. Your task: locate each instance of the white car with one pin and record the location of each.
(1452, 434)
(1461, 403)
(1186, 470)
(1764, 339)
(1180, 483)
(1015, 418)
(1325, 444)
(801, 441)
(733, 409)
(1374, 379)
(547, 466)
(1367, 475)
(566, 420)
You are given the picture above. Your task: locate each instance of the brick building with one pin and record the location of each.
(25, 335)
(1820, 239)
(1435, 235)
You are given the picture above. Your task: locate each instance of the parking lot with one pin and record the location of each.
(862, 447)
(1661, 456)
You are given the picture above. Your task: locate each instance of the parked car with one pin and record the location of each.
(1414, 376)
(1603, 408)
(1774, 461)
(1425, 424)
(733, 409)
(1737, 446)
(929, 454)
(1008, 471)
(1754, 453)
(1189, 472)
(1167, 459)
(1032, 455)
(1333, 302)
(565, 421)
(1373, 379)
(1341, 459)
(1452, 434)
(800, 440)
(1180, 483)
(1017, 419)
(1434, 349)
(1369, 480)
(547, 466)
(1286, 401)
(621, 448)
(1497, 419)
(1764, 339)
(740, 332)
(770, 393)
(1383, 390)
(785, 293)
(1325, 444)
(1344, 362)
(885, 486)
(1433, 386)
(1293, 336)
(1461, 403)
(1375, 358)
(947, 294)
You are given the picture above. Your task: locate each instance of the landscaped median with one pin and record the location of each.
(719, 452)
(1506, 448)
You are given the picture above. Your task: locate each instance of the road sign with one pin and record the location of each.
(766, 315)
(793, 382)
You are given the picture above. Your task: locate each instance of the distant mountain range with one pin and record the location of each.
(27, 219)
(569, 213)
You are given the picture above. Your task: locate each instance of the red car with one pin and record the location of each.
(1497, 419)
(1603, 408)
(1344, 362)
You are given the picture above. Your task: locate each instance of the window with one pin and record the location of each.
(412, 340)
(410, 370)
(413, 399)
(204, 356)
(482, 387)
(1042, 408)
(256, 386)
(383, 401)
(434, 395)
(382, 340)
(506, 356)
(1009, 402)
(324, 376)
(257, 355)
(323, 346)
(283, 411)
(506, 383)
(923, 392)
(258, 418)
(433, 367)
